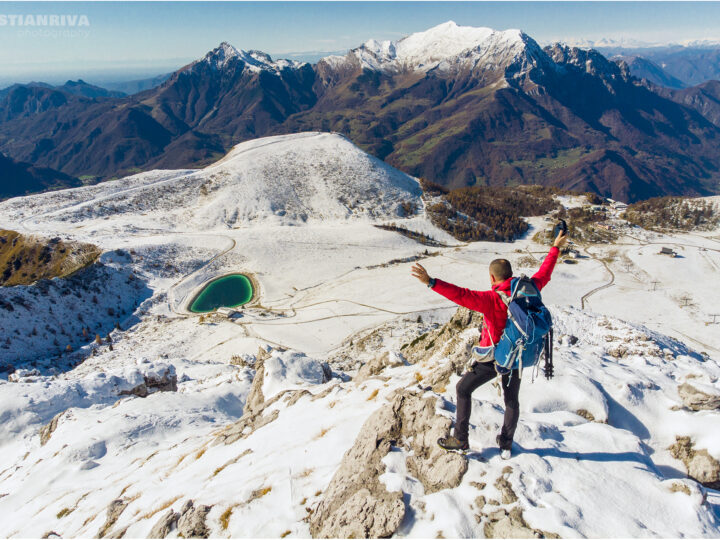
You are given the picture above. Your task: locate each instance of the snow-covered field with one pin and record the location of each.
(298, 214)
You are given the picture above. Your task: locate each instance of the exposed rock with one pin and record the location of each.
(376, 366)
(297, 396)
(504, 524)
(191, 523)
(164, 525)
(51, 534)
(24, 375)
(251, 421)
(506, 491)
(587, 415)
(450, 340)
(697, 400)
(115, 508)
(356, 504)
(701, 466)
(162, 380)
(435, 468)
(255, 397)
(679, 487)
(47, 430)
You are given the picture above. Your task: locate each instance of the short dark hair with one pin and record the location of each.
(501, 269)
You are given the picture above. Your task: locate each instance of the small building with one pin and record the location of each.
(667, 251)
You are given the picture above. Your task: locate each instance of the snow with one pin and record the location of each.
(254, 61)
(440, 45)
(328, 282)
(290, 370)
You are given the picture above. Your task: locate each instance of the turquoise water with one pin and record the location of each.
(228, 291)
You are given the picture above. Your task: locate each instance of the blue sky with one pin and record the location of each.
(145, 38)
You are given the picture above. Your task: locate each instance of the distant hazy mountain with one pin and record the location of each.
(457, 105)
(691, 65)
(81, 88)
(22, 178)
(643, 68)
(77, 88)
(135, 86)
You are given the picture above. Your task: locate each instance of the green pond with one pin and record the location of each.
(228, 291)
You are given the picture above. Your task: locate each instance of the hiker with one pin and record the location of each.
(494, 311)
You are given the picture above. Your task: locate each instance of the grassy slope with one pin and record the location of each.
(25, 259)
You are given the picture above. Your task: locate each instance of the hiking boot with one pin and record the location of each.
(453, 444)
(504, 452)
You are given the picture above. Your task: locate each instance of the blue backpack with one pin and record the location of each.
(527, 333)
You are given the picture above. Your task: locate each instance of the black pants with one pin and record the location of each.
(480, 374)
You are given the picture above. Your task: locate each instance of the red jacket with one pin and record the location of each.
(489, 303)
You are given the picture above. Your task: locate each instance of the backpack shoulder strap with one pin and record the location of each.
(504, 297)
(507, 299)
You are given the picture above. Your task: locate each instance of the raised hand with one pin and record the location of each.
(560, 240)
(419, 272)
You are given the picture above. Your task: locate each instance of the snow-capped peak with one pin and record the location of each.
(221, 55)
(425, 50)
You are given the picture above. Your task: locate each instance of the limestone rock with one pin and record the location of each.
(506, 491)
(450, 340)
(251, 421)
(356, 504)
(696, 399)
(157, 378)
(376, 366)
(701, 466)
(255, 397)
(191, 523)
(47, 430)
(114, 510)
(504, 524)
(164, 525)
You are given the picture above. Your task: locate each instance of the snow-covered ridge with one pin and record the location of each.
(446, 42)
(255, 61)
(288, 179)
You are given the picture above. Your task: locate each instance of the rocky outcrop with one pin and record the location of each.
(164, 525)
(454, 341)
(115, 508)
(507, 495)
(375, 366)
(697, 400)
(190, 522)
(503, 524)
(47, 430)
(356, 503)
(257, 417)
(161, 378)
(255, 397)
(701, 466)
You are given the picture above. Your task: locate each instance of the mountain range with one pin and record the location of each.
(22, 178)
(456, 105)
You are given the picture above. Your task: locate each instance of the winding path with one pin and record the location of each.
(601, 287)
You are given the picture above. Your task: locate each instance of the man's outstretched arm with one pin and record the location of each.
(542, 276)
(474, 300)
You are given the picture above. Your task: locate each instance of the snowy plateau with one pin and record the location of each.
(314, 410)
